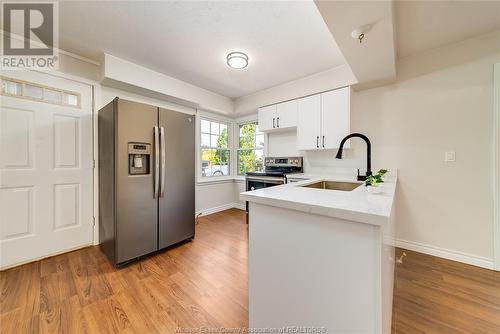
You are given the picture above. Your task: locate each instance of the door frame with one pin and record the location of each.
(496, 165)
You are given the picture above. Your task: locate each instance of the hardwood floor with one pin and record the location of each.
(434, 295)
(204, 284)
(200, 283)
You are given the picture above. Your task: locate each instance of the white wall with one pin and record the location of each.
(336, 77)
(496, 166)
(442, 101)
(130, 76)
(211, 196)
(107, 94)
(239, 187)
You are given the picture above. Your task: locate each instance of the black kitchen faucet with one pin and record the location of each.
(368, 153)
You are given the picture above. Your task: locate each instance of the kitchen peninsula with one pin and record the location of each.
(321, 255)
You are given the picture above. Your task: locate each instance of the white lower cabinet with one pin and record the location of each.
(323, 120)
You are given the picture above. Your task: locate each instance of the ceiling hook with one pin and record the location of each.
(359, 32)
(360, 37)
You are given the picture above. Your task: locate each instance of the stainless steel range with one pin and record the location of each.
(276, 169)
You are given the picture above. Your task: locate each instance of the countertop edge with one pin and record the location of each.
(356, 216)
(360, 216)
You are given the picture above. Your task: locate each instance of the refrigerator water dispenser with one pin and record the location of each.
(139, 158)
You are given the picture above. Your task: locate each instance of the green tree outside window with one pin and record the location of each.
(250, 153)
(215, 153)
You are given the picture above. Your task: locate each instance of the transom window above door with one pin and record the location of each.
(37, 92)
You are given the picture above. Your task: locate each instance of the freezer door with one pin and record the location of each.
(137, 203)
(177, 180)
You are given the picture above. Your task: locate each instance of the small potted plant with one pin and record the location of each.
(373, 181)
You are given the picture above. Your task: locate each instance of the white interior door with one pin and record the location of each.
(45, 169)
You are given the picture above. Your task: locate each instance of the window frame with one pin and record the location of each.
(237, 144)
(23, 95)
(229, 124)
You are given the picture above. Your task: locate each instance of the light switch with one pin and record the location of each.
(449, 156)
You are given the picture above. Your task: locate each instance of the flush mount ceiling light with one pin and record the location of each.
(237, 60)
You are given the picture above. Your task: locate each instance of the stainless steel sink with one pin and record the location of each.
(334, 185)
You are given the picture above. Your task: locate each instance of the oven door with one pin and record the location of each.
(259, 182)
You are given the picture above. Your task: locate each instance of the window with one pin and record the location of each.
(251, 148)
(215, 154)
(32, 91)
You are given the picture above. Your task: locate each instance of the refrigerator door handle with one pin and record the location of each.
(157, 162)
(163, 149)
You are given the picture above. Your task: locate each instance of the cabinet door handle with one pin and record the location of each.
(273, 123)
(323, 141)
(278, 122)
(317, 141)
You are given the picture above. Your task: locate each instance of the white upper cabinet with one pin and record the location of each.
(278, 116)
(286, 114)
(323, 120)
(335, 117)
(309, 123)
(267, 118)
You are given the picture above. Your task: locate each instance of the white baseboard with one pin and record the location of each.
(44, 257)
(466, 258)
(209, 211)
(239, 205)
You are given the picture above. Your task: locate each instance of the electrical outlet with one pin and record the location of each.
(449, 156)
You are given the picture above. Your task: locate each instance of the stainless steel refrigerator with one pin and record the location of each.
(146, 179)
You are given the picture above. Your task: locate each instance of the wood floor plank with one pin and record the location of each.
(20, 288)
(204, 283)
(433, 295)
(106, 316)
(19, 320)
(67, 317)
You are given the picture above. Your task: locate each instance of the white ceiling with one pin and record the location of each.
(373, 60)
(285, 40)
(424, 25)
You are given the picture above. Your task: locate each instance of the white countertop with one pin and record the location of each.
(357, 205)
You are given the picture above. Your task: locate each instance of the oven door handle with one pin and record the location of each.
(269, 179)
